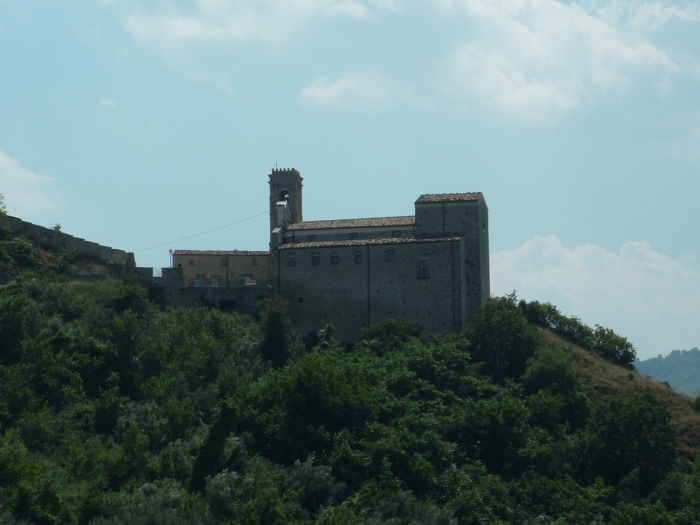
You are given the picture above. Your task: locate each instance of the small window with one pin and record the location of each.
(396, 233)
(423, 270)
(191, 263)
(291, 260)
(215, 282)
(353, 236)
(310, 238)
(390, 256)
(254, 261)
(201, 281)
(224, 261)
(301, 300)
(334, 258)
(358, 257)
(315, 259)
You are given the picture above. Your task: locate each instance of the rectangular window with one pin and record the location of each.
(315, 259)
(358, 257)
(310, 238)
(201, 281)
(334, 258)
(396, 233)
(390, 256)
(423, 270)
(224, 261)
(291, 260)
(191, 262)
(353, 236)
(215, 282)
(253, 262)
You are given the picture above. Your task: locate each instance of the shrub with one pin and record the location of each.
(501, 338)
(20, 252)
(624, 435)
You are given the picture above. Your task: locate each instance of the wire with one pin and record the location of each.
(198, 234)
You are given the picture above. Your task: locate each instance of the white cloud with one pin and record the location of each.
(108, 103)
(534, 58)
(238, 21)
(529, 60)
(27, 193)
(365, 92)
(643, 295)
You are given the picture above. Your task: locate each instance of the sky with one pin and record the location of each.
(137, 124)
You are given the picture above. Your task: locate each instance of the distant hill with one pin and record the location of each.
(681, 369)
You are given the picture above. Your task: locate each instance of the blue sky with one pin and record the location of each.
(136, 123)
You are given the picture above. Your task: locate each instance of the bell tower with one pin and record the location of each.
(285, 186)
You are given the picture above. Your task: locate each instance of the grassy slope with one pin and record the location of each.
(604, 380)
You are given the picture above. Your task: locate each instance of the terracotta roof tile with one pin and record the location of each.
(371, 222)
(365, 242)
(449, 197)
(220, 252)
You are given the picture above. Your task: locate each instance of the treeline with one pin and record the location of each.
(113, 411)
(680, 369)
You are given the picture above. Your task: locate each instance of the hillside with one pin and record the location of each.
(115, 411)
(604, 381)
(681, 369)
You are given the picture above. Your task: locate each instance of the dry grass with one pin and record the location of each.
(604, 380)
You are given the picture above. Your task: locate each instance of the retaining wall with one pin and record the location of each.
(50, 238)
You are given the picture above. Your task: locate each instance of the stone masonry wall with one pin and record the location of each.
(119, 259)
(353, 296)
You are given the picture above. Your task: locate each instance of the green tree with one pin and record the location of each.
(501, 338)
(624, 435)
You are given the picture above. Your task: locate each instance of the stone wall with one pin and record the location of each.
(229, 269)
(119, 260)
(238, 299)
(353, 295)
(343, 234)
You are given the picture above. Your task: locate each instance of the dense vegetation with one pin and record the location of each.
(113, 411)
(680, 369)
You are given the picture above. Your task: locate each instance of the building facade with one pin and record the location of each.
(222, 269)
(431, 268)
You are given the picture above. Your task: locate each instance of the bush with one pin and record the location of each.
(624, 435)
(603, 341)
(20, 252)
(501, 338)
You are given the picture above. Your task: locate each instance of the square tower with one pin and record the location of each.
(285, 185)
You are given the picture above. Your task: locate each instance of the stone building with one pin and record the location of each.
(227, 269)
(431, 268)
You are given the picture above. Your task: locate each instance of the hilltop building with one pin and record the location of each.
(431, 268)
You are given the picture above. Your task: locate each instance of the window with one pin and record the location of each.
(334, 258)
(310, 238)
(191, 263)
(254, 261)
(291, 260)
(390, 256)
(423, 271)
(315, 259)
(224, 261)
(215, 282)
(358, 257)
(201, 281)
(396, 233)
(353, 236)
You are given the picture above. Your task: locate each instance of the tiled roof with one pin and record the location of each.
(372, 222)
(449, 197)
(365, 242)
(220, 252)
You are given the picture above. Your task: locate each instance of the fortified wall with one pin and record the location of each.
(119, 261)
